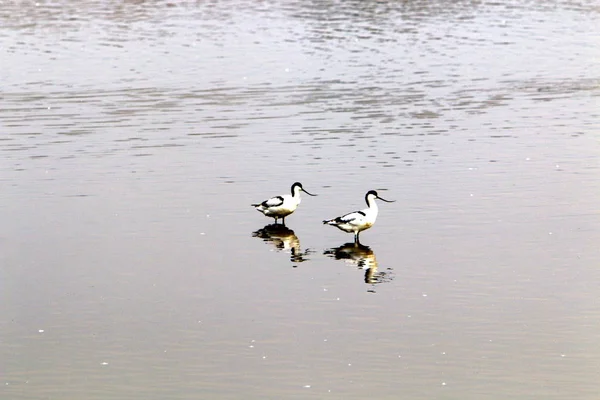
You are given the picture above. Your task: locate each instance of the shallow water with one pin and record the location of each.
(135, 136)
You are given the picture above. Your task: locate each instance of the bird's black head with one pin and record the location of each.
(299, 186)
(296, 184)
(370, 193)
(375, 195)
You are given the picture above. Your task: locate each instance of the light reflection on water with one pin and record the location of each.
(135, 136)
(284, 239)
(364, 259)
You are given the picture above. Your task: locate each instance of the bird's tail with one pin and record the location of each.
(255, 205)
(326, 221)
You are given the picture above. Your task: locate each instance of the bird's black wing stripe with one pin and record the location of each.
(272, 203)
(348, 217)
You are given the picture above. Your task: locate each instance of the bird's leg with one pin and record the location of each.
(283, 221)
(356, 242)
(275, 220)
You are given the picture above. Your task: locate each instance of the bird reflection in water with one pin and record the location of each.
(364, 258)
(283, 238)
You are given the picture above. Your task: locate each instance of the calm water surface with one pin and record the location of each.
(135, 135)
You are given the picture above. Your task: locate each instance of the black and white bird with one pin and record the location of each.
(357, 221)
(282, 206)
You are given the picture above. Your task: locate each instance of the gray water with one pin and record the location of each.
(135, 135)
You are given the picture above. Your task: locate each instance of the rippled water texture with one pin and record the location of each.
(135, 135)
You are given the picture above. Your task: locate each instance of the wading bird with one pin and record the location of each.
(357, 221)
(282, 206)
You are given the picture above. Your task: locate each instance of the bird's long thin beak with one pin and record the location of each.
(308, 193)
(387, 201)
